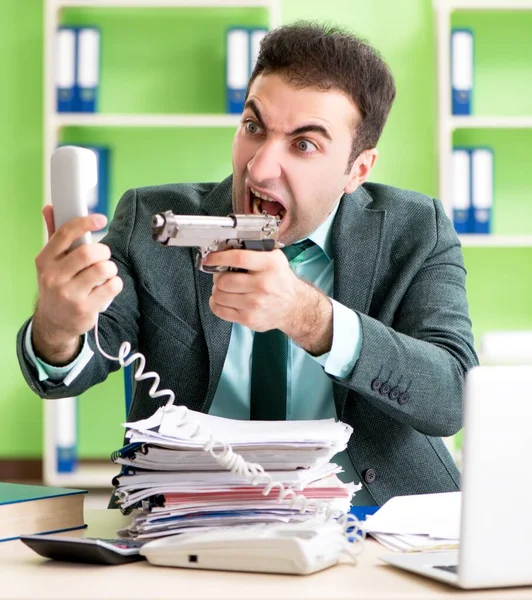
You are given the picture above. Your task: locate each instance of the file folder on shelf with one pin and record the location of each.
(65, 425)
(99, 203)
(256, 36)
(65, 68)
(87, 69)
(482, 190)
(461, 189)
(462, 64)
(237, 68)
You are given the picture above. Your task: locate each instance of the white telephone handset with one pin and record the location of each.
(73, 179)
(284, 548)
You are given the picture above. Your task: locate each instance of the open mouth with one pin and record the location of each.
(261, 203)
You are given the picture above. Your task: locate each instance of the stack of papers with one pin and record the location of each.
(418, 522)
(173, 485)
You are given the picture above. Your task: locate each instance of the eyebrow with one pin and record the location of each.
(297, 131)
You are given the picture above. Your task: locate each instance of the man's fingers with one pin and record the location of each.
(82, 258)
(250, 260)
(238, 283)
(62, 239)
(93, 277)
(104, 294)
(48, 214)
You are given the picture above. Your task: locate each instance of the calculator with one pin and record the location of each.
(100, 551)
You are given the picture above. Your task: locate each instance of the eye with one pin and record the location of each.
(251, 127)
(306, 146)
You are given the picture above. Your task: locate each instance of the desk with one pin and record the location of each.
(24, 574)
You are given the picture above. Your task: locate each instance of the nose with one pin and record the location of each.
(265, 164)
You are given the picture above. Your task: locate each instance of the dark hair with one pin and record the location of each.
(326, 57)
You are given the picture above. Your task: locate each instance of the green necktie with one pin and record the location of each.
(268, 365)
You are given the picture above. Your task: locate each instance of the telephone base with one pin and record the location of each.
(298, 549)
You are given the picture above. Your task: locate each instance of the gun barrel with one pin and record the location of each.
(211, 232)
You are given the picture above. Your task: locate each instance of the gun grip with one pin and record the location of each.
(259, 245)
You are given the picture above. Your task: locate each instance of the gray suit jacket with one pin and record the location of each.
(397, 263)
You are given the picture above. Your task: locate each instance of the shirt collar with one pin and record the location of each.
(322, 236)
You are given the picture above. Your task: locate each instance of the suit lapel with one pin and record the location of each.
(357, 242)
(217, 332)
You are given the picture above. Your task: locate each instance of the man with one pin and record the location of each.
(375, 307)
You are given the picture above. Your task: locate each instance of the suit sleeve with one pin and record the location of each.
(117, 324)
(414, 371)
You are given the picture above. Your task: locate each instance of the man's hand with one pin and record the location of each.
(270, 296)
(73, 287)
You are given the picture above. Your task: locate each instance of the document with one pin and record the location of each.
(175, 485)
(424, 521)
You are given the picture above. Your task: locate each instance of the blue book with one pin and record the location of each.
(87, 69)
(461, 190)
(462, 65)
(482, 190)
(237, 68)
(65, 68)
(35, 509)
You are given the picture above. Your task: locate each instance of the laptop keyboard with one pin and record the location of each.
(448, 568)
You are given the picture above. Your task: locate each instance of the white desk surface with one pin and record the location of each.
(24, 574)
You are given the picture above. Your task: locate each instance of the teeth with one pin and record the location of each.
(255, 203)
(263, 196)
(255, 206)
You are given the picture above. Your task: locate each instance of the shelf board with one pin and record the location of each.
(484, 4)
(143, 120)
(473, 122)
(501, 241)
(92, 476)
(162, 3)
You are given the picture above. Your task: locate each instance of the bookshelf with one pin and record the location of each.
(56, 124)
(451, 127)
(448, 124)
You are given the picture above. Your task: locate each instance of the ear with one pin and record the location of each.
(361, 169)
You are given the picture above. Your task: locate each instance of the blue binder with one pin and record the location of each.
(256, 35)
(66, 435)
(461, 189)
(237, 68)
(87, 69)
(462, 65)
(482, 190)
(100, 203)
(65, 68)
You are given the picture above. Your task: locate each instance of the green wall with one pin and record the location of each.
(169, 60)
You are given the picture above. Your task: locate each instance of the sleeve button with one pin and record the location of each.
(376, 385)
(403, 398)
(385, 389)
(394, 394)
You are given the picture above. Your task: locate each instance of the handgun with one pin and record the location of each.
(213, 234)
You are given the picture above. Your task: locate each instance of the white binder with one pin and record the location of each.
(88, 68)
(461, 71)
(237, 70)
(65, 68)
(482, 189)
(256, 38)
(461, 189)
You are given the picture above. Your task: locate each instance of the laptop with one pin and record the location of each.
(496, 518)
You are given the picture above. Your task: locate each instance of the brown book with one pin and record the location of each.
(33, 509)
